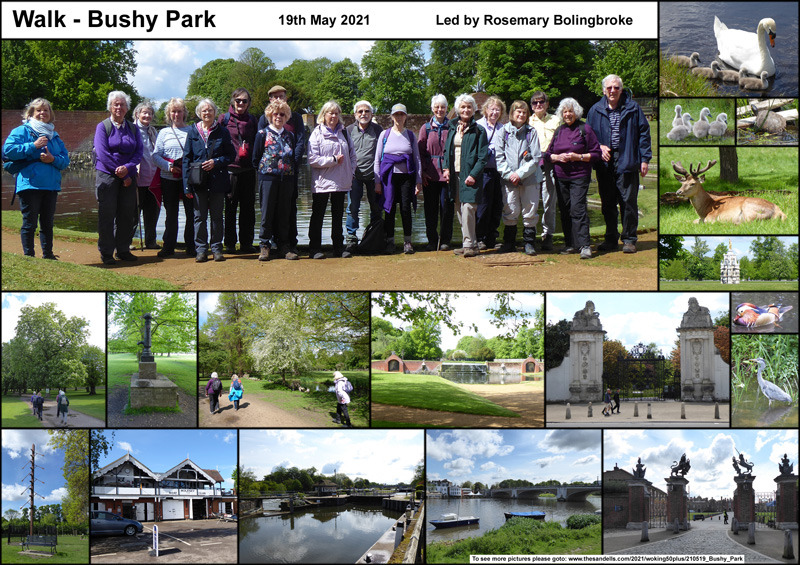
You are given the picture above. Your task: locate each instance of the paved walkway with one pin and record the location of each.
(666, 414)
(75, 419)
(705, 538)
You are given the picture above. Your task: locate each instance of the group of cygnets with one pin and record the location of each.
(742, 50)
(682, 125)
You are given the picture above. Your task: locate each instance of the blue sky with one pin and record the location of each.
(471, 308)
(164, 67)
(489, 456)
(382, 456)
(709, 453)
(161, 450)
(16, 466)
(741, 244)
(88, 305)
(633, 317)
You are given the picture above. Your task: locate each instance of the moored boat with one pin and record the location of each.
(453, 520)
(536, 515)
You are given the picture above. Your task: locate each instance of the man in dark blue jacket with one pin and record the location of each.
(624, 136)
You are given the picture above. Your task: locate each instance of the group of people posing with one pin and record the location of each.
(483, 171)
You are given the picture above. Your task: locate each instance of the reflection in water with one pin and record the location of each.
(789, 321)
(323, 535)
(752, 410)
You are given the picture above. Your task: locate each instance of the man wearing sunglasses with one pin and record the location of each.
(624, 136)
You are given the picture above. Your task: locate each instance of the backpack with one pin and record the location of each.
(409, 135)
(348, 386)
(108, 127)
(39, 402)
(374, 239)
(216, 385)
(581, 127)
(237, 385)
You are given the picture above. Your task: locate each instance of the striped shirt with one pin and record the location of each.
(614, 115)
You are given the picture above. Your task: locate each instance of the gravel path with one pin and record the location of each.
(74, 419)
(255, 412)
(118, 399)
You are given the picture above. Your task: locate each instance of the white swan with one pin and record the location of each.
(741, 48)
(677, 121)
(685, 61)
(718, 127)
(679, 132)
(700, 128)
(751, 83)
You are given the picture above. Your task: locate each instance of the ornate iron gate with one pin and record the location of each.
(643, 375)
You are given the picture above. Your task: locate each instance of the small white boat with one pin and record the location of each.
(453, 520)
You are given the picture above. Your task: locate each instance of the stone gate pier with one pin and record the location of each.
(705, 377)
(586, 356)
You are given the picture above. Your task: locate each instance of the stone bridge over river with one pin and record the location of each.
(563, 493)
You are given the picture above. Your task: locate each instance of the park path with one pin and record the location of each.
(75, 419)
(705, 538)
(255, 412)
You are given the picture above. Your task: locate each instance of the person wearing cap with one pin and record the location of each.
(333, 160)
(364, 134)
(342, 399)
(398, 176)
(432, 136)
(295, 125)
(466, 154)
(545, 124)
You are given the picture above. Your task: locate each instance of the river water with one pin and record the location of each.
(490, 511)
(323, 535)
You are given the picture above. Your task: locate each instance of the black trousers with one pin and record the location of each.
(403, 192)
(319, 203)
(619, 192)
(243, 197)
(571, 195)
(172, 195)
(438, 206)
(490, 207)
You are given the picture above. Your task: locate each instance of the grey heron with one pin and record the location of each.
(770, 390)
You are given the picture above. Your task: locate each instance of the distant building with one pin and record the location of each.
(729, 268)
(326, 487)
(616, 503)
(128, 488)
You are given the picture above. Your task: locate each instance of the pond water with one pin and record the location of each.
(789, 322)
(490, 511)
(749, 137)
(77, 210)
(689, 26)
(324, 535)
(752, 410)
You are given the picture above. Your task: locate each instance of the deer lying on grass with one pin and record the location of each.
(710, 208)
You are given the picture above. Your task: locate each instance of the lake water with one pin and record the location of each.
(789, 322)
(490, 511)
(324, 535)
(689, 26)
(753, 410)
(77, 210)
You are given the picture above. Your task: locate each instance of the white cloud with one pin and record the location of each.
(163, 68)
(91, 306)
(544, 462)
(468, 443)
(763, 438)
(15, 493)
(569, 441)
(18, 442)
(229, 437)
(459, 467)
(588, 460)
(56, 496)
(208, 302)
(125, 446)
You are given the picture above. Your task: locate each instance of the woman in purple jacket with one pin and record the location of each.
(432, 138)
(333, 160)
(118, 148)
(573, 148)
(398, 176)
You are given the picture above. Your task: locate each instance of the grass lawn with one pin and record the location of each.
(70, 549)
(520, 536)
(693, 106)
(430, 392)
(181, 369)
(718, 286)
(95, 406)
(774, 179)
(676, 80)
(17, 414)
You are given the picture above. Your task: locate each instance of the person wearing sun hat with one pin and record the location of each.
(342, 386)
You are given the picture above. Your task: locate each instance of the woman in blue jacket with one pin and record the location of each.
(37, 156)
(209, 148)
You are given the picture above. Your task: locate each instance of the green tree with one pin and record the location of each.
(636, 62)
(305, 75)
(700, 248)
(675, 271)
(451, 67)
(557, 343)
(217, 79)
(99, 445)
(75, 445)
(173, 326)
(669, 247)
(383, 64)
(340, 82)
(228, 329)
(384, 338)
(94, 360)
(279, 346)
(71, 74)
(253, 71)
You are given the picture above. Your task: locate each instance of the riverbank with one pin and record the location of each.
(520, 536)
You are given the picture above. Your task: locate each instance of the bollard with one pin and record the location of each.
(788, 547)
(649, 412)
(751, 534)
(735, 526)
(645, 533)
(716, 410)
(569, 412)
(635, 409)
(683, 410)
(398, 533)
(590, 409)
(677, 527)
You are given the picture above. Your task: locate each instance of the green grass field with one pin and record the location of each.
(95, 406)
(693, 106)
(718, 286)
(774, 179)
(70, 549)
(430, 392)
(17, 414)
(675, 80)
(181, 369)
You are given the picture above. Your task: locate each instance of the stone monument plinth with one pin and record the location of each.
(696, 335)
(744, 501)
(729, 268)
(677, 503)
(586, 356)
(149, 388)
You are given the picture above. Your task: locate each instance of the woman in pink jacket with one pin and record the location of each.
(333, 160)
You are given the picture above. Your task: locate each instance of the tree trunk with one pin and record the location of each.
(728, 164)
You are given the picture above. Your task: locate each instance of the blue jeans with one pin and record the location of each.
(208, 203)
(37, 207)
(354, 205)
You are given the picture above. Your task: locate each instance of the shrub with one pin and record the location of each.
(580, 521)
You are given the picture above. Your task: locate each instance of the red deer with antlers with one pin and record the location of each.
(711, 208)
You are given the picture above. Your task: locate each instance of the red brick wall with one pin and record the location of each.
(75, 128)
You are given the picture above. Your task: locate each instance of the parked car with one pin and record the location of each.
(110, 523)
